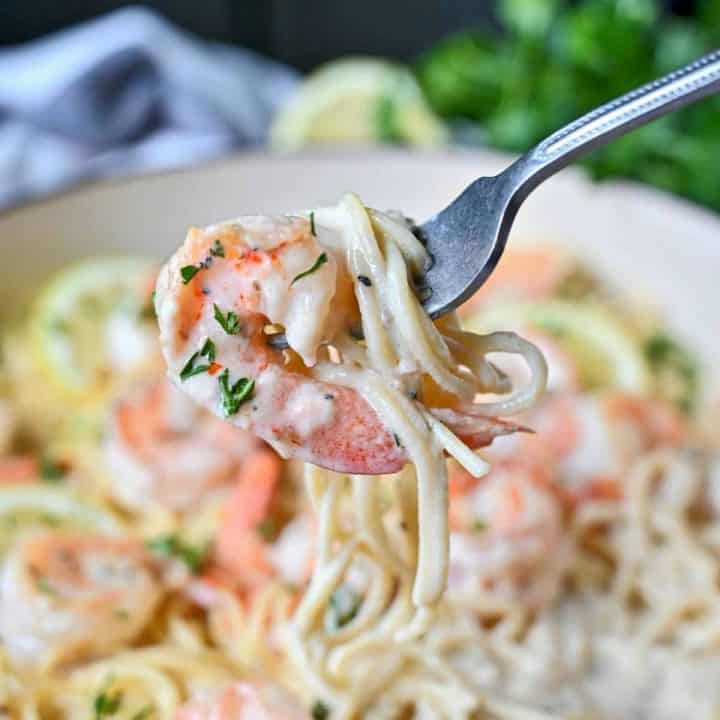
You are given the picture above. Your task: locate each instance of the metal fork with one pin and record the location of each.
(467, 238)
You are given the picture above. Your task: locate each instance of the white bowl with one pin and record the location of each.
(648, 244)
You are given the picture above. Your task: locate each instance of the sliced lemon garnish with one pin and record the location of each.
(607, 353)
(35, 506)
(70, 322)
(357, 100)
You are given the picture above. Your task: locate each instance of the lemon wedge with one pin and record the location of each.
(357, 100)
(69, 323)
(607, 354)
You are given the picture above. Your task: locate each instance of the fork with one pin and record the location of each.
(466, 239)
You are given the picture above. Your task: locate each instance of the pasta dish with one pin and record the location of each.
(505, 513)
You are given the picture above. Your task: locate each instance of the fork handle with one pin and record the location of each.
(638, 107)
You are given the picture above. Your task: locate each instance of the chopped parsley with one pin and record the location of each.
(121, 614)
(267, 529)
(230, 322)
(322, 259)
(208, 351)
(44, 586)
(51, 471)
(233, 396)
(107, 703)
(312, 224)
(144, 713)
(188, 272)
(675, 368)
(397, 440)
(479, 525)
(319, 711)
(171, 546)
(344, 604)
(217, 250)
(365, 280)
(147, 311)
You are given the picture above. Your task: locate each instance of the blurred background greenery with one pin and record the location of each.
(557, 59)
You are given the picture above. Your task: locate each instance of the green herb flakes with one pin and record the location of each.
(172, 547)
(233, 396)
(229, 322)
(188, 272)
(190, 369)
(319, 711)
(107, 703)
(217, 250)
(322, 259)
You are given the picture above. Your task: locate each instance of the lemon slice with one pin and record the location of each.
(607, 354)
(70, 321)
(24, 507)
(357, 100)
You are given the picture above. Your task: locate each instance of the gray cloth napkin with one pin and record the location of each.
(126, 93)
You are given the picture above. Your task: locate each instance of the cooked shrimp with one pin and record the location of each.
(523, 273)
(243, 701)
(248, 544)
(590, 441)
(18, 469)
(507, 534)
(70, 594)
(163, 450)
(215, 298)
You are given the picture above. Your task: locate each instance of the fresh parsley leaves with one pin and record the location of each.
(319, 711)
(233, 396)
(217, 250)
(107, 703)
(190, 369)
(171, 546)
(229, 322)
(322, 259)
(312, 224)
(188, 272)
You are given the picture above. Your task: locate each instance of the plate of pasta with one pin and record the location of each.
(505, 513)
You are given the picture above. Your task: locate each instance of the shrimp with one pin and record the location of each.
(590, 440)
(18, 470)
(257, 700)
(527, 273)
(506, 541)
(250, 545)
(65, 595)
(215, 298)
(163, 450)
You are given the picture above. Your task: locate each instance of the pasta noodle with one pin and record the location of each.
(569, 572)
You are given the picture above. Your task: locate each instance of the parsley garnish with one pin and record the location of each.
(188, 272)
(479, 525)
(44, 586)
(322, 259)
(319, 711)
(267, 529)
(217, 249)
(171, 546)
(50, 470)
(144, 713)
(207, 350)
(233, 396)
(344, 605)
(121, 614)
(312, 224)
(107, 703)
(365, 280)
(230, 323)
(397, 440)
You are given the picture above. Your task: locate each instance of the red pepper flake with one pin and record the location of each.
(214, 367)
